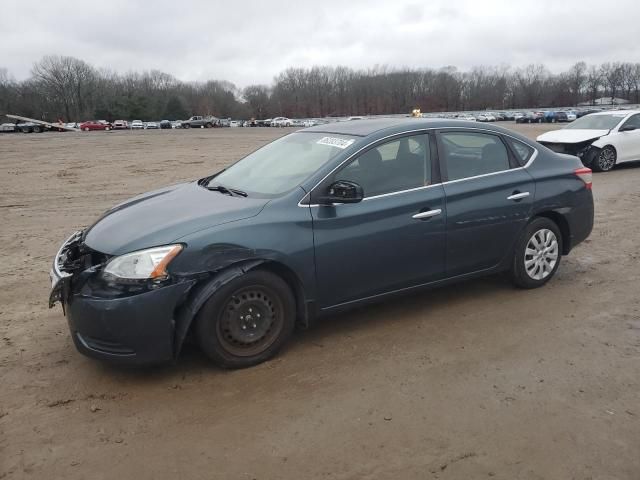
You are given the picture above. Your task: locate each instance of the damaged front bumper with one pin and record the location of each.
(132, 324)
(585, 151)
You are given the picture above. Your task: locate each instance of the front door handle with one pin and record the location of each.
(518, 196)
(427, 214)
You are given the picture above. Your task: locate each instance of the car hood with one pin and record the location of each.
(162, 216)
(570, 135)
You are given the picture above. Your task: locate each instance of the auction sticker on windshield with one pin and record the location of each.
(335, 142)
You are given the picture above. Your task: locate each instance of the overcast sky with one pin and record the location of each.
(250, 41)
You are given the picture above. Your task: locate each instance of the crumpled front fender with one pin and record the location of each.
(602, 142)
(201, 293)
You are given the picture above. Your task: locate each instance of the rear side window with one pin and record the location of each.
(522, 150)
(469, 154)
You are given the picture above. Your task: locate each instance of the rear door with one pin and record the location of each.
(489, 197)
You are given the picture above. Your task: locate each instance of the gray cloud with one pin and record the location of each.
(251, 41)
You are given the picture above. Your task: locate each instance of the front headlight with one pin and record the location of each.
(144, 264)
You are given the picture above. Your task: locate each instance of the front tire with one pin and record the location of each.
(247, 320)
(186, 125)
(606, 159)
(537, 254)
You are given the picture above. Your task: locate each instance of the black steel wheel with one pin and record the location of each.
(247, 320)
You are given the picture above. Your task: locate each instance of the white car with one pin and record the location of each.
(466, 117)
(309, 123)
(235, 123)
(601, 140)
(136, 124)
(281, 122)
(151, 125)
(571, 116)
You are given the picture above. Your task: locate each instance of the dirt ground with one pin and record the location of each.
(478, 380)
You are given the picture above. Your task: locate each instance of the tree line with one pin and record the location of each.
(71, 89)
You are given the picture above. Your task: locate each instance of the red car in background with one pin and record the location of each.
(95, 125)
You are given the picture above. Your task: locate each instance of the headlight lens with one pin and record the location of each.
(144, 264)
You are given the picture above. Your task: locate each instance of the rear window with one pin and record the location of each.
(522, 150)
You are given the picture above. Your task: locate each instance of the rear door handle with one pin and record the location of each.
(427, 214)
(518, 196)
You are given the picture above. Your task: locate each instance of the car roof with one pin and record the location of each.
(619, 112)
(365, 128)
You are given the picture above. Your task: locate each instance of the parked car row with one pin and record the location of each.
(530, 116)
(196, 121)
(282, 122)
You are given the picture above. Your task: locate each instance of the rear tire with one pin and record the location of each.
(186, 125)
(606, 159)
(247, 320)
(537, 254)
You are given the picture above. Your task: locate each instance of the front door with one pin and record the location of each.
(628, 143)
(395, 237)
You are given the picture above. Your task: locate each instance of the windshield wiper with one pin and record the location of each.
(238, 192)
(226, 191)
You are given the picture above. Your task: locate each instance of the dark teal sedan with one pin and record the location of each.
(321, 220)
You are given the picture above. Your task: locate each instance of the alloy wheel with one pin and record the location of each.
(541, 254)
(606, 159)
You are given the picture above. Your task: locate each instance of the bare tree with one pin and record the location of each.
(594, 82)
(612, 77)
(257, 98)
(576, 79)
(68, 84)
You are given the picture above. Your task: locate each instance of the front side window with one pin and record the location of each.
(634, 121)
(397, 165)
(282, 165)
(469, 154)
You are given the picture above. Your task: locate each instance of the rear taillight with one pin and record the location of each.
(585, 175)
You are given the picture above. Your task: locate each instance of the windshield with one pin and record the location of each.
(597, 122)
(282, 165)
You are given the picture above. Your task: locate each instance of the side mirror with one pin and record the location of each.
(627, 128)
(342, 191)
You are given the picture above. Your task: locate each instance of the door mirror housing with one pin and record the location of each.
(627, 128)
(342, 191)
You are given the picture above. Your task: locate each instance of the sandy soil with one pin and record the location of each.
(474, 381)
